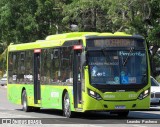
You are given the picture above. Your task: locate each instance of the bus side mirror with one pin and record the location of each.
(84, 65)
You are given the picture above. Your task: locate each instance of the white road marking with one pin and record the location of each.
(139, 126)
(9, 115)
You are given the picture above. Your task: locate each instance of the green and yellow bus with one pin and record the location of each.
(79, 72)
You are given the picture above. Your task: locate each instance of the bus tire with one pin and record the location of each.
(66, 106)
(25, 106)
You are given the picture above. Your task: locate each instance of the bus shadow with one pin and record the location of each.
(97, 116)
(46, 112)
(86, 115)
(142, 114)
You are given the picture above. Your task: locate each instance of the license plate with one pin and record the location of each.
(120, 107)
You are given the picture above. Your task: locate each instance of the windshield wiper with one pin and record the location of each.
(103, 50)
(131, 50)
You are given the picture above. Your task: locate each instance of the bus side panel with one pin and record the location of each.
(52, 96)
(30, 95)
(15, 92)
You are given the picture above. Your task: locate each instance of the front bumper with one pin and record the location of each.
(102, 105)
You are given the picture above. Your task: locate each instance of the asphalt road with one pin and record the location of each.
(14, 113)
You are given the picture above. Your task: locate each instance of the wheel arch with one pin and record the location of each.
(22, 93)
(64, 91)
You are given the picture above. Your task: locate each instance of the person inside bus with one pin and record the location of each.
(64, 76)
(56, 79)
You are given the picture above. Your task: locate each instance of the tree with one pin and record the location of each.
(88, 15)
(27, 21)
(138, 16)
(17, 22)
(3, 57)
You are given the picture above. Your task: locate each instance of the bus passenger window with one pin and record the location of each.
(66, 65)
(55, 66)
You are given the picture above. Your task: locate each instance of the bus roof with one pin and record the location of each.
(70, 35)
(33, 45)
(83, 34)
(58, 39)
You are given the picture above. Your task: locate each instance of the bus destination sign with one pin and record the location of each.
(113, 43)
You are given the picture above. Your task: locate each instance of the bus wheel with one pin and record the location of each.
(66, 106)
(25, 106)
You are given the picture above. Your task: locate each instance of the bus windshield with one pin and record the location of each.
(126, 67)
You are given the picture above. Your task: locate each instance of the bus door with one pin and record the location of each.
(37, 92)
(77, 84)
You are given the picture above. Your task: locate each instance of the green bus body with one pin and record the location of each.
(93, 97)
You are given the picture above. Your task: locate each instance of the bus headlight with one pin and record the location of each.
(144, 94)
(94, 94)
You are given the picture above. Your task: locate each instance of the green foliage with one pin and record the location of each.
(23, 21)
(17, 23)
(89, 16)
(26, 21)
(154, 36)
